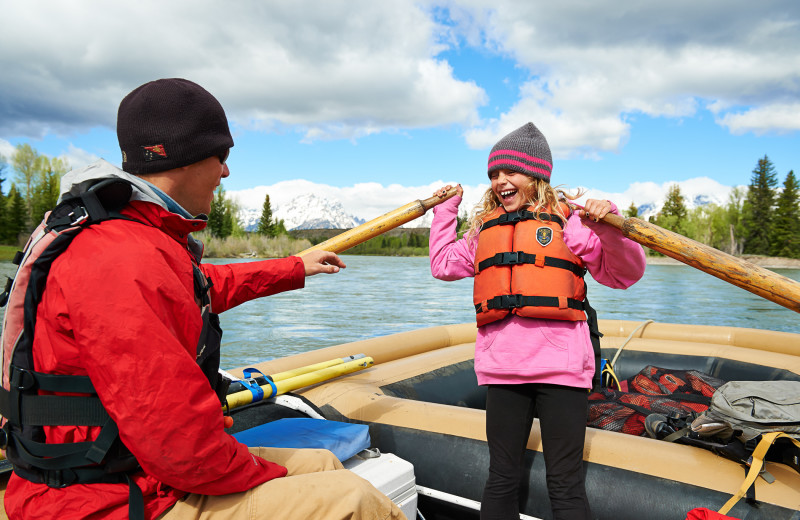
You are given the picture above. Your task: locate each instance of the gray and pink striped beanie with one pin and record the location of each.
(524, 150)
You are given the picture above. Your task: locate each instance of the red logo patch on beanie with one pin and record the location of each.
(154, 153)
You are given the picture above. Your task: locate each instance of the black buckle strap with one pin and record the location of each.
(512, 258)
(77, 216)
(519, 216)
(512, 301)
(23, 406)
(520, 257)
(578, 270)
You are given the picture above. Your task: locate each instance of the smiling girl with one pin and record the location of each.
(529, 247)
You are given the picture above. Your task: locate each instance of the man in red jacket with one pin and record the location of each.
(129, 304)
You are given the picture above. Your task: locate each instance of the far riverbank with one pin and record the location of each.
(767, 262)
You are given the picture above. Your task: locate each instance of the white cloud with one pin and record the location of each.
(775, 118)
(652, 195)
(348, 69)
(335, 69)
(595, 64)
(6, 150)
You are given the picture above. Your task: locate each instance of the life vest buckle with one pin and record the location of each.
(510, 258)
(510, 301)
(509, 218)
(21, 379)
(54, 478)
(78, 215)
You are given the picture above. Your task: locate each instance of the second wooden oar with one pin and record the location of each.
(379, 225)
(741, 273)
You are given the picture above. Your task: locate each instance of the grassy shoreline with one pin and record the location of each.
(256, 246)
(7, 252)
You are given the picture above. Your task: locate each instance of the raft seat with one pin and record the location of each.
(345, 440)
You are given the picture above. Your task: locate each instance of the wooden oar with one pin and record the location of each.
(379, 225)
(741, 273)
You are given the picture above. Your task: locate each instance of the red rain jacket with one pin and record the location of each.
(119, 306)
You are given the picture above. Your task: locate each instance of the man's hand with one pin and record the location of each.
(316, 262)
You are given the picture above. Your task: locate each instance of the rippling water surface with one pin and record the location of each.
(376, 296)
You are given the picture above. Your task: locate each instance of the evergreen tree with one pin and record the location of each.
(27, 161)
(632, 211)
(733, 221)
(280, 228)
(673, 214)
(786, 224)
(758, 208)
(15, 215)
(227, 223)
(3, 214)
(266, 226)
(217, 214)
(47, 186)
(462, 221)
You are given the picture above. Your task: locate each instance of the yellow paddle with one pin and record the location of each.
(741, 273)
(379, 225)
(282, 386)
(280, 376)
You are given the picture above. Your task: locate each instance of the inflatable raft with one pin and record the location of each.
(420, 400)
(422, 403)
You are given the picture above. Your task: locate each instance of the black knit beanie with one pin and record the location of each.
(169, 123)
(524, 150)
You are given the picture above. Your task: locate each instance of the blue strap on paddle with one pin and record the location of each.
(250, 383)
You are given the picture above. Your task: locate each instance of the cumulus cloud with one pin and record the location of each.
(594, 65)
(339, 69)
(649, 197)
(6, 150)
(775, 118)
(349, 69)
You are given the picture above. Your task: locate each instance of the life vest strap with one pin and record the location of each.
(520, 257)
(519, 216)
(512, 301)
(22, 405)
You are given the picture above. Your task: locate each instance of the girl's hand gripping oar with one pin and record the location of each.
(741, 273)
(379, 225)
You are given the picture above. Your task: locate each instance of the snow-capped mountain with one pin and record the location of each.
(307, 211)
(311, 211)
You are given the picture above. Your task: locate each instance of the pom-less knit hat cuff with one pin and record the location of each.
(169, 123)
(524, 150)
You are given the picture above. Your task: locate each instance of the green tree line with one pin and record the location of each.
(759, 220)
(33, 191)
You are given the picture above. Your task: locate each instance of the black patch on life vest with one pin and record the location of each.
(544, 235)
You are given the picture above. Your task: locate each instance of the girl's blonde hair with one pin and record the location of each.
(539, 195)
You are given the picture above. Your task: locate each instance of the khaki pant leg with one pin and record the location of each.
(328, 494)
(299, 461)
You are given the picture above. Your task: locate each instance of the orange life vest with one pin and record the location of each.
(523, 266)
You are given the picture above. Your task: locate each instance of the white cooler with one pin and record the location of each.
(393, 476)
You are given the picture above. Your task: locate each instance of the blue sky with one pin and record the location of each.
(376, 103)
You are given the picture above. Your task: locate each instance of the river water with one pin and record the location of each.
(375, 296)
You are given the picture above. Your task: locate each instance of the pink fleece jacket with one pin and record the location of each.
(530, 350)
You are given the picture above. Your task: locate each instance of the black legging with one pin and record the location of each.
(562, 413)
